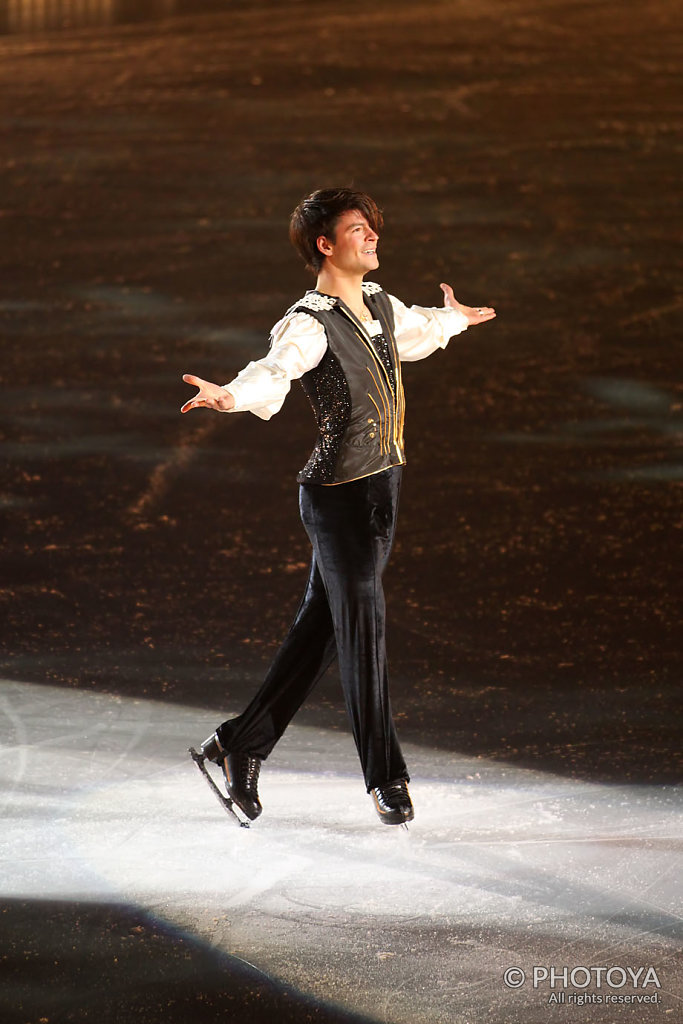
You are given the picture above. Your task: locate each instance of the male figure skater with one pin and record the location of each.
(344, 340)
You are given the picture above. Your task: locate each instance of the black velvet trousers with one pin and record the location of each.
(342, 613)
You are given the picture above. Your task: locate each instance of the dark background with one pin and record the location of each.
(526, 152)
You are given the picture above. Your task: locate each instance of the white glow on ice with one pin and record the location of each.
(101, 801)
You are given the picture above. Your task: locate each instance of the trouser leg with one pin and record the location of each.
(307, 651)
(351, 528)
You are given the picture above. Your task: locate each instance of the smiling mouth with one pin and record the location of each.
(370, 252)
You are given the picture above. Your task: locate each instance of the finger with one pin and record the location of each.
(190, 378)
(194, 403)
(449, 299)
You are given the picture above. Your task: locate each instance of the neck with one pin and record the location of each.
(345, 287)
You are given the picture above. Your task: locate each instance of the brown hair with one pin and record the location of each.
(318, 214)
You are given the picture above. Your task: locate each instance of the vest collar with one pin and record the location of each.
(319, 300)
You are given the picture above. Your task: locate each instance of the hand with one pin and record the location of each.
(474, 316)
(209, 396)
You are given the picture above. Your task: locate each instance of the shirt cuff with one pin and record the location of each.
(451, 321)
(234, 389)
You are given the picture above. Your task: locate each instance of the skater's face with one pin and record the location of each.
(353, 249)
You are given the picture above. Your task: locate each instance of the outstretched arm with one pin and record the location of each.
(421, 330)
(298, 343)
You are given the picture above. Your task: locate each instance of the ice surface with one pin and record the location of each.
(501, 867)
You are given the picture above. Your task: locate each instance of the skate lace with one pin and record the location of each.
(250, 772)
(393, 793)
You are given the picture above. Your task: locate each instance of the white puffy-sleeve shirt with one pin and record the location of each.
(298, 343)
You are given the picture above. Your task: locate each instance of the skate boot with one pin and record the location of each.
(241, 773)
(393, 803)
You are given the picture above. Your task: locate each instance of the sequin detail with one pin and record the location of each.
(328, 392)
(381, 347)
(371, 287)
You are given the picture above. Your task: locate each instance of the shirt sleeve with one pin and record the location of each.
(420, 330)
(297, 344)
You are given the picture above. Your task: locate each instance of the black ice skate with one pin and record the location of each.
(241, 773)
(225, 801)
(393, 803)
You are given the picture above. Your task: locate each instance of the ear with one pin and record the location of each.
(323, 245)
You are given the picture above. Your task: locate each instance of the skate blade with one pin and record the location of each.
(225, 801)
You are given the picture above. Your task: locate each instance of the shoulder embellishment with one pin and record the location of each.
(371, 287)
(314, 300)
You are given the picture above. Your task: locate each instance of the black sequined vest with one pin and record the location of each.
(355, 390)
